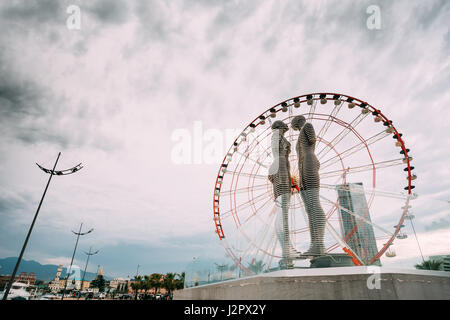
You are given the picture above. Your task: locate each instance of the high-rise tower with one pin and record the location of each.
(357, 233)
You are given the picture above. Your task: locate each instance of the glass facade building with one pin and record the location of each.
(358, 234)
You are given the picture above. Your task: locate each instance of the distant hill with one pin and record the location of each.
(45, 272)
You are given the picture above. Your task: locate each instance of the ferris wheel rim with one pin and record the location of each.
(290, 103)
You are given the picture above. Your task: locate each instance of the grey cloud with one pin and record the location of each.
(19, 97)
(156, 24)
(443, 223)
(447, 41)
(23, 103)
(231, 15)
(107, 11)
(31, 113)
(427, 14)
(34, 11)
(8, 204)
(54, 11)
(219, 56)
(42, 135)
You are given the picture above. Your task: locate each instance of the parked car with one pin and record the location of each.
(100, 295)
(48, 297)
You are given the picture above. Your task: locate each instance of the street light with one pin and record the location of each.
(51, 173)
(89, 254)
(79, 233)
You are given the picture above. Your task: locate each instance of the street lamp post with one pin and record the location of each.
(89, 254)
(79, 233)
(52, 173)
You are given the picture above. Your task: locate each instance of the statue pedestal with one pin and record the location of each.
(346, 283)
(332, 260)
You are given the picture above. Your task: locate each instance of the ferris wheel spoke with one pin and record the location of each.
(255, 161)
(357, 147)
(291, 131)
(329, 121)
(312, 109)
(268, 230)
(244, 189)
(358, 216)
(265, 254)
(340, 241)
(377, 192)
(254, 214)
(251, 175)
(256, 244)
(246, 204)
(341, 135)
(332, 247)
(367, 167)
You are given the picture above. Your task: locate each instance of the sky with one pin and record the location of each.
(116, 93)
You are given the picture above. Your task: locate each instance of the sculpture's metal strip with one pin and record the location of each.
(279, 175)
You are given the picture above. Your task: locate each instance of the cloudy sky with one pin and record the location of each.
(113, 94)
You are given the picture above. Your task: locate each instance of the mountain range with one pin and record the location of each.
(46, 272)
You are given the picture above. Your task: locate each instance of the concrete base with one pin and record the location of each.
(332, 260)
(343, 283)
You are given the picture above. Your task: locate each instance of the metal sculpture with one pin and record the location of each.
(309, 181)
(279, 176)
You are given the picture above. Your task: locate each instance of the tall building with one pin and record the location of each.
(362, 240)
(54, 285)
(445, 259)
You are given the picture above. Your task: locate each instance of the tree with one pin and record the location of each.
(99, 283)
(257, 266)
(155, 281)
(429, 265)
(137, 285)
(169, 282)
(179, 283)
(147, 283)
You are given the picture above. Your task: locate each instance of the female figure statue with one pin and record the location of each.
(280, 177)
(309, 181)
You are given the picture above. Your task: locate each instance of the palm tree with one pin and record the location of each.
(429, 265)
(137, 285)
(169, 282)
(179, 283)
(257, 266)
(146, 284)
(155, 281)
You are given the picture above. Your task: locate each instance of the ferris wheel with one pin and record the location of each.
(366, 177)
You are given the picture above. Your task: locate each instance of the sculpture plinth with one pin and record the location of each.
(332, 260)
